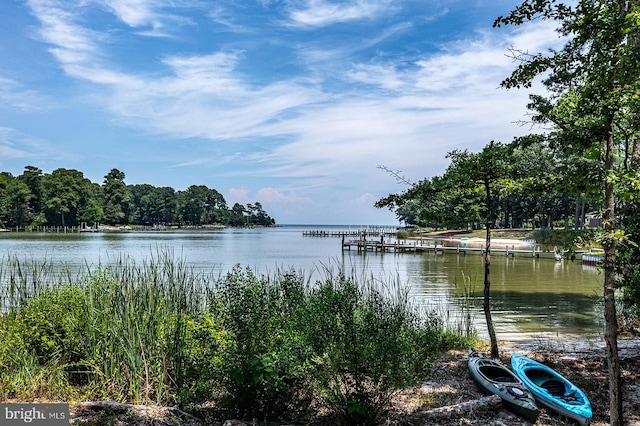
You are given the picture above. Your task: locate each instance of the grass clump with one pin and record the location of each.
(256, 347)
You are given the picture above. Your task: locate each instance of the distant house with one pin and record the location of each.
(594, 220)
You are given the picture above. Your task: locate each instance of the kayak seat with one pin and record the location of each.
(497, 374)
(554, 387)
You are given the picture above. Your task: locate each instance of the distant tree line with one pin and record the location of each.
(65, 197)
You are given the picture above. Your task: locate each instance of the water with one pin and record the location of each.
(529, 295)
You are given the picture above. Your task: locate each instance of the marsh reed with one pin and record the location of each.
(256, 346)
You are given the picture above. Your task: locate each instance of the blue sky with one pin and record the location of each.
(292, 103)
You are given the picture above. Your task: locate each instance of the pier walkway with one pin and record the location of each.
(371, 232)
(433, 246)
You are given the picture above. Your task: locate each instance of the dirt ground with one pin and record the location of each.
(448, 384)
(582, 364)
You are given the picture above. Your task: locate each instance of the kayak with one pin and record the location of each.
(552, 390)
(494, 378)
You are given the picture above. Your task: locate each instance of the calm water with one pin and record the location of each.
(529, 295)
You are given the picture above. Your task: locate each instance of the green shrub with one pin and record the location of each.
(268, 347)
(203, 365)
(403, 234)
(368, 342)
(267, 374)
(51, 325)
(41, 345)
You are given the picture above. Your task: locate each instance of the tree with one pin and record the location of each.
(194, 204)
(239, 217)
(434, 203)
(467, 176)
(66, 197)
(117, 197)
(92, 210)
(485, 169)
(593, 84)
(64, 192)
(257, 215)
(17, 203)
(167, 204)
(32, 177)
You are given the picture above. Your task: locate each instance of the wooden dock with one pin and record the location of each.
(363, 233)
(423, 246)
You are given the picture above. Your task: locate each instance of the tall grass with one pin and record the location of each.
(255, 346)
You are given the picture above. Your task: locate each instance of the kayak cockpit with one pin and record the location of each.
(497, 374)
(547, 382)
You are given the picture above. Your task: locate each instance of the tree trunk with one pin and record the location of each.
(610, 316)
(487, 276)
(635, 154)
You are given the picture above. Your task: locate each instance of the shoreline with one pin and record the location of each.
(447, 384)
(574, 347)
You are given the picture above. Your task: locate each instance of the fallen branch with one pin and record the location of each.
(492, 402)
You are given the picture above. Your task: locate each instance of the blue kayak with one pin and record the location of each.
(552, 390)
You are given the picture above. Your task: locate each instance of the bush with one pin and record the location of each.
(268, 358)
(203, 365)
(259, 346)
(368, 343)
(568, 239)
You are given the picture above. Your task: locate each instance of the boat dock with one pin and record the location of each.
(423, 246)
(369, 232)
(438, 247)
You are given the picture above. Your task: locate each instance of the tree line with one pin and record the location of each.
(591, 143)
(65, 197)
(546, 189)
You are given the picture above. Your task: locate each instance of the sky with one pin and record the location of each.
(292, 103)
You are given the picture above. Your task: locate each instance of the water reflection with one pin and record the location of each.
(527, 294)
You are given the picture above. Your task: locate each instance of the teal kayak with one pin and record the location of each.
(552, 390)
(494, 378)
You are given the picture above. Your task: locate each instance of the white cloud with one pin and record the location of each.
(269, 195)
(226, 19)
(366, 200)
(442, 102)
(322, 13)
(72, 43)
(134, 13)
(237, 195)
(151, 14)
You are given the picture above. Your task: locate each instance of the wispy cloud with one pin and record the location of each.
(325, 124)
(322, 13)
(225, 18)
(206, 97)
(14, 96)
(14, 144)
(134, 13)
(72, 43)
(150, 14)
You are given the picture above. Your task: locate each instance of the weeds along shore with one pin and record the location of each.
(251, 346)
